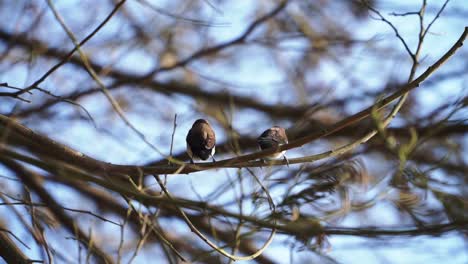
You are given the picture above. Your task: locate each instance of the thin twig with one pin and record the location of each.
(395, 30)
(13, 94)
(210, 50)
(436, 17)
(60, 98)
(64, 208)
(206, 240)
(70, 54)
(115, 105)
(155, 230)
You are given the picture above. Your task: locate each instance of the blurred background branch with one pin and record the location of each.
(74, 177)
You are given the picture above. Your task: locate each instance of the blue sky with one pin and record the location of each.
(125, 147)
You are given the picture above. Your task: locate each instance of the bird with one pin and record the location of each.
(201, 141)
(273, 138)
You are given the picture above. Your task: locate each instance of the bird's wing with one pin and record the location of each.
(209, 138)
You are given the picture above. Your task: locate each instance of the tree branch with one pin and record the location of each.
(9, 251)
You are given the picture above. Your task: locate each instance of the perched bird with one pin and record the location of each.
(201, 141)
(272, 138)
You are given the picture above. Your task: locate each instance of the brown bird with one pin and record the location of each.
(272, 138)
(201, 141)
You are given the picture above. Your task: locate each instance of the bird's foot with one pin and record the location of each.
(286, 159)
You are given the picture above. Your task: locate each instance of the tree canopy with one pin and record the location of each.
(97, 97)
